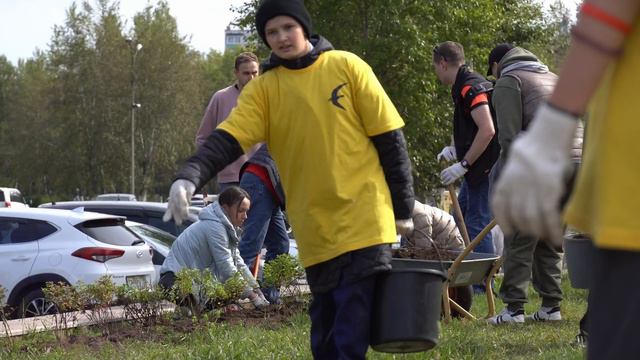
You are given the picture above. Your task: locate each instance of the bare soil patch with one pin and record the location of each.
(424, 254)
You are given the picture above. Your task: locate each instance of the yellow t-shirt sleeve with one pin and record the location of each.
(376, 111)
(247, 121)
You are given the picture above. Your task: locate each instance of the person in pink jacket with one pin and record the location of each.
(247, 67)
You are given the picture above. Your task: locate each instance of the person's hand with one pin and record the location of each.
(527, 195)
(452, 173)
(404, 226)
(179, 196)
(448, 153)
(258, 300)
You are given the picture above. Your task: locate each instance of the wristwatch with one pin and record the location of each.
(465, 164)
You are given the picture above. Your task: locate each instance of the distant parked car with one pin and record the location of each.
(49, 245)
(118, 197)
(11, 197)
(158, 239)
(144, 212)
(199, 200)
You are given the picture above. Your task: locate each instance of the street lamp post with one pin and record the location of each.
(134, 106)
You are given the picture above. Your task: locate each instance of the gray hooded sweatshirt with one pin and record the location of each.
(211, 242)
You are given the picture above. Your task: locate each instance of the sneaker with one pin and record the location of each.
(547, 314)
(507, 316)
(581, 339)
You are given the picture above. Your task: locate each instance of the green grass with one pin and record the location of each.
(458, 340)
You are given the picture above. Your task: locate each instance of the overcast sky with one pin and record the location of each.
(28, 24)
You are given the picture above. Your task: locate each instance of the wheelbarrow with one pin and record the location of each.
(486, 268)
(467, 268)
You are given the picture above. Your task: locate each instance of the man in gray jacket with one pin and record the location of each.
(523, 83)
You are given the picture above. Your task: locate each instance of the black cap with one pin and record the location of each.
(271, 8)
(497, 54)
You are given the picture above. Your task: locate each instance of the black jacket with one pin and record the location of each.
(465, 129)
(264, 159)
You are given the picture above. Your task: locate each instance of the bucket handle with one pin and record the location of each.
(433, 244)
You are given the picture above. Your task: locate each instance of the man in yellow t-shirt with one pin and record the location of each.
(337, 141)
(602, 66)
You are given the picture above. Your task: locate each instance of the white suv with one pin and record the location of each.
(10, 197)
(42, 245)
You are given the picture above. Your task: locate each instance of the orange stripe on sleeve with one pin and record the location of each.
(465, 90)
(479, 99)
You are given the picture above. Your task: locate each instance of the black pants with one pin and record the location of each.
(167, 279)
(166, 282)
(614, 305)
(343, 290)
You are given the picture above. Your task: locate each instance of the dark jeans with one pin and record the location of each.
(474, 203)
(265, 224)
(341, 319)
(167, 279)
(614, 313)
(343, 291)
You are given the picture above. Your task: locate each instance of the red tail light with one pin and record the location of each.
(7, 204)
(98, 254)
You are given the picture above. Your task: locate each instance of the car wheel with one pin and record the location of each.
(35, 304)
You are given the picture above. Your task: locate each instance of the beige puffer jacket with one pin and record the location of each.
(433, 223)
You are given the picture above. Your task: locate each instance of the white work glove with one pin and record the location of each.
(179, 196)
(404, 226)
(258, 300)
(527, 195)
(452, 173)
(448, 153)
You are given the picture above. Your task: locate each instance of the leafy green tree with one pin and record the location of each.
(396, 38)
(68, 109)
(169, 89)
(8, 82)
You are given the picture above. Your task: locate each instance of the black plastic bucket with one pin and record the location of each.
(578, 253)
(407, 310)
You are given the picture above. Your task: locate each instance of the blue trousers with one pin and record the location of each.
(474, 203)
(264, 225)
(341, 320)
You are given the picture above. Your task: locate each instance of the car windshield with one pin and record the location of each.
(156, 234)
(110, 231)
(16, 196)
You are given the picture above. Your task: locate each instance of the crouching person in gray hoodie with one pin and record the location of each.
(212, 243)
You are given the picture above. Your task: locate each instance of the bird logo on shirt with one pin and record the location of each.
(335, 96)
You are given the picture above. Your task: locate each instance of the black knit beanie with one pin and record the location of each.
(269, 9)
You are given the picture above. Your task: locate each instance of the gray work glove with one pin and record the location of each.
(179, 197)
(448, 153)
(527, 195)
(404, 226)
(258, 300)
(452, 173)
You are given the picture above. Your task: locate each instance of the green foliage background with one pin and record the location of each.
(65, 113)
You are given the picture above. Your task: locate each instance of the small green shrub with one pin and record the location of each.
(234, 287)
(3, 315)
(282, 272)
(201, 291)
(142, 305)
(101, 295)
(69, 303)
